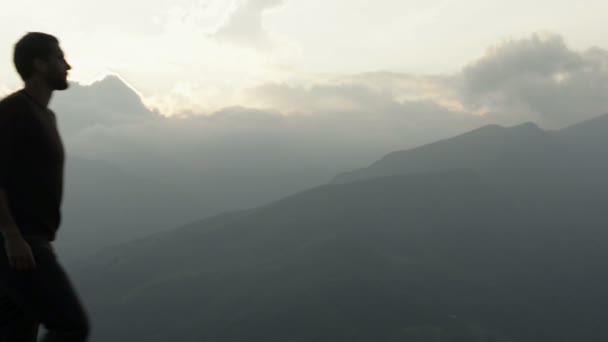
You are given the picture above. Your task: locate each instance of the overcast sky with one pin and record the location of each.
(204, 55)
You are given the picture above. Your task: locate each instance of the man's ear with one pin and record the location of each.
(40, 65)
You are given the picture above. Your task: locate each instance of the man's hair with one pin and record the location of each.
(33, 45)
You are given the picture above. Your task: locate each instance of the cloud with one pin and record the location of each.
(245, 26)
(539, 77)
(369, 92)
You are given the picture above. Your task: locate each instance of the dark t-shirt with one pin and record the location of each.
(31, 165)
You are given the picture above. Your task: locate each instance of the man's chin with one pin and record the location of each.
(58, 83)
(62, 86)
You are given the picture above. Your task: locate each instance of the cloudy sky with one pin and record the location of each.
(242, 102)
(201, 56)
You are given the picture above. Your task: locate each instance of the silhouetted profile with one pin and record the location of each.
(34, 289)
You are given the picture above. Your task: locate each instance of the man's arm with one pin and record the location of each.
(8, 132)
(17, 249)
(8, 228)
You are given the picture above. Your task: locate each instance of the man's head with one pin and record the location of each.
(38, 55)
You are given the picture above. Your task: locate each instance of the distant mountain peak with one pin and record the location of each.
(527, 125)
(114, 82)
(596, 123)
(109, 101)
(469, 150)
(526, 129)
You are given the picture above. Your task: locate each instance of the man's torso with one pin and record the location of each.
(34, 168)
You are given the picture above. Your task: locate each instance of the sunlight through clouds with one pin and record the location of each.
(186, 68)
(198, 56)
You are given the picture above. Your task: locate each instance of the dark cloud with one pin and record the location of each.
(541, 78)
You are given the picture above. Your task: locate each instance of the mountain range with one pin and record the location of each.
(498, 234)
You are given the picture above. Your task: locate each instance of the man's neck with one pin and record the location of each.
(39, 91)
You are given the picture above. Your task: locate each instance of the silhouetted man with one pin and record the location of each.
(34, 288)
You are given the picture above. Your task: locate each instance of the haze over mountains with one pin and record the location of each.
(495, 235)
(132, 172)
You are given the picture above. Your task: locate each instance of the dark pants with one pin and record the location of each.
(43, 296)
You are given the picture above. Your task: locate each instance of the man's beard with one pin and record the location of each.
(58, 83)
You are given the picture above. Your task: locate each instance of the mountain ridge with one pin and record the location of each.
(487, 247)
(462, 151)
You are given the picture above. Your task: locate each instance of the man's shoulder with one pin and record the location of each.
(13, 104)
(14, 99)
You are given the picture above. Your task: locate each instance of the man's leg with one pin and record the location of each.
(48, 295)
(15, 326)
